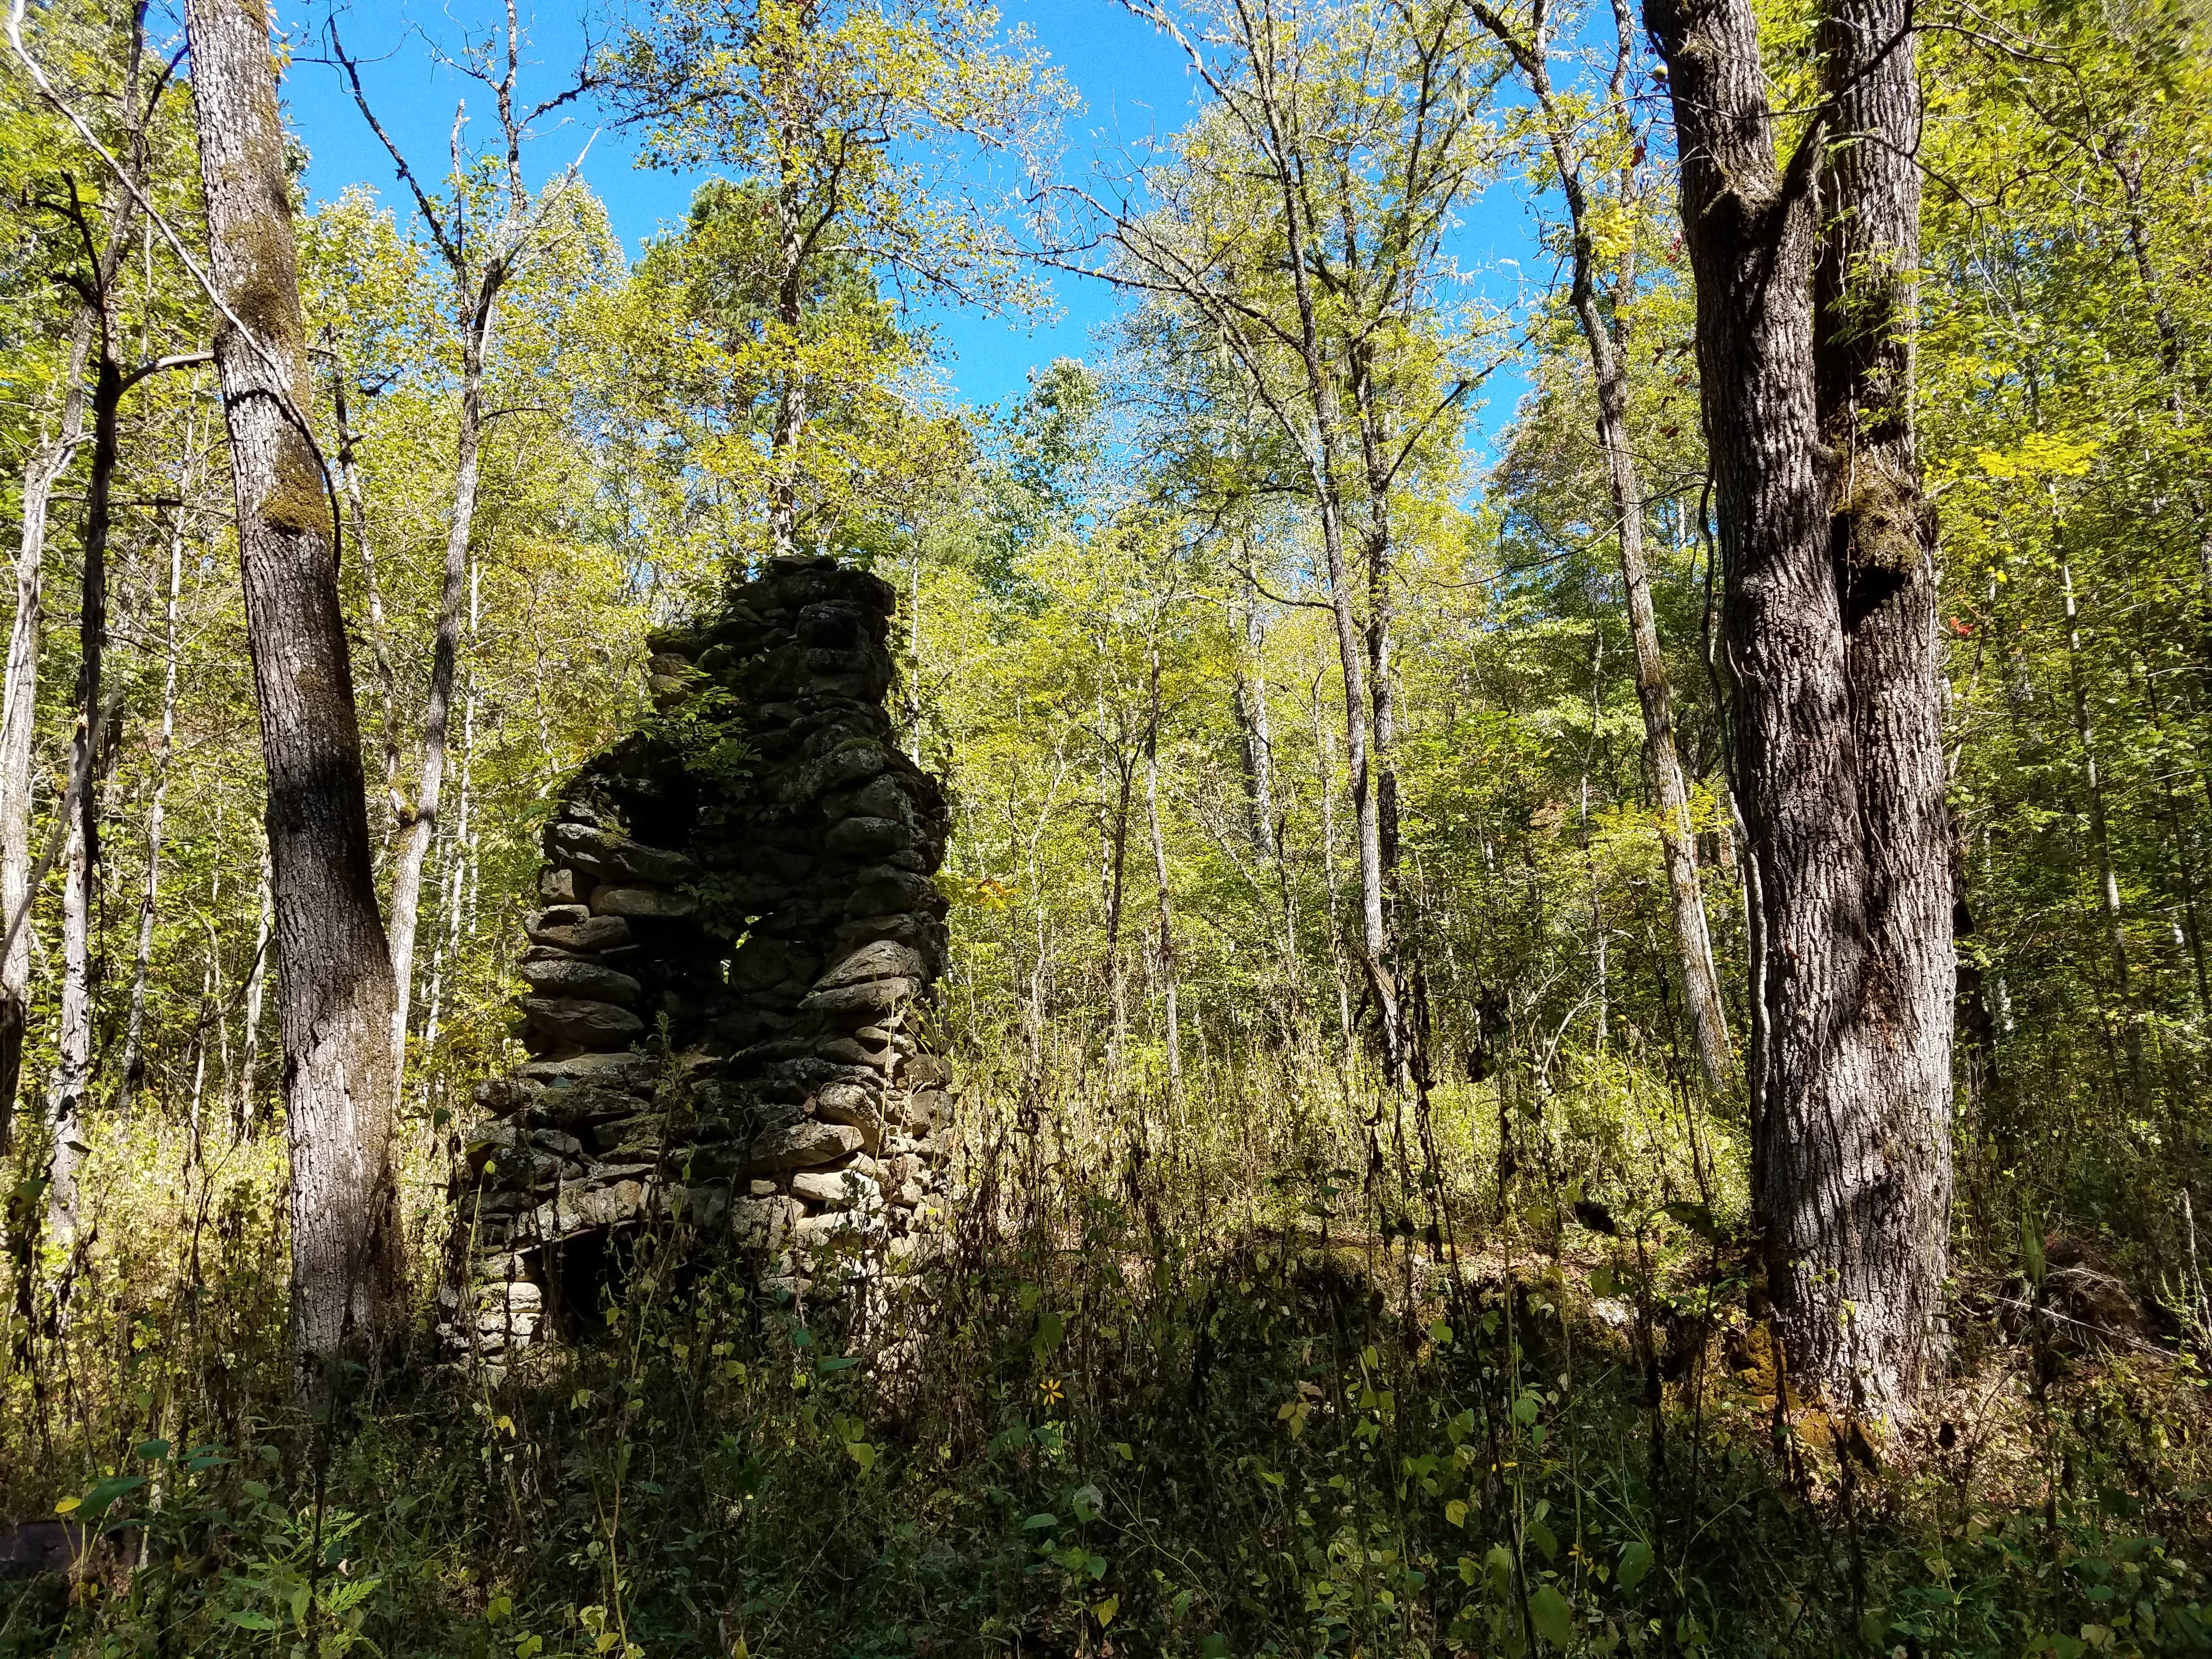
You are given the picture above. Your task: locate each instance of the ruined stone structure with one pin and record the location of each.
(739, 935)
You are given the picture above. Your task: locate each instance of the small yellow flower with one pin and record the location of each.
(1050, 1390)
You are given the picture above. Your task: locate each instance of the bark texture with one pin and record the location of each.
(134, 1058)
(335, 986)
(419, 825)
(19, 718)
(1251, 705)
(1804, 352)
(1701, 987)
(73, 1036)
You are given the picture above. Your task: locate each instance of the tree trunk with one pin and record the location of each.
(334, 988)
(1325, 764)
(1160, 877)
(72, 1073)
(790, 422)
(1601, 942)
(1701, 987)
(1828, 540)
(2100, 836)
(257, 980)
(19, 720)
(418, 826)
(387, 680)
(1606, 342)
(134, 1057)
(1367, 801)
(1114, 779)
(1322, 459)
(1866, 314)
(73, 1050)
(1382, 612)
(1250, 699)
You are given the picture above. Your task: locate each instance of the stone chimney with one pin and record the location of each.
(728, 983)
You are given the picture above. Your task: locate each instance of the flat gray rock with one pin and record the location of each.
(883, 958)
(612, 1070)
(642, 903)
(864, 1001)
(801, 1146)
(585, 933)
(572, 978)
(587, 1024)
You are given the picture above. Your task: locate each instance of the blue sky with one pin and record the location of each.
(1132, 82)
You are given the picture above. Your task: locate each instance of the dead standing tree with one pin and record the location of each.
(481, 260)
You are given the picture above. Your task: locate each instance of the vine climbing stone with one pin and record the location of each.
(738, 936)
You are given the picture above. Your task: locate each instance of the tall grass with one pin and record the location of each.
(1265, 1366)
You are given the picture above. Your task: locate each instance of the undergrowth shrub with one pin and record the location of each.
(1257, 1369)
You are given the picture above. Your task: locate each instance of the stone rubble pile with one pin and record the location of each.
(738, 934)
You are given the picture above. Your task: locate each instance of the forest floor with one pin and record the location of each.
(1235, 1398)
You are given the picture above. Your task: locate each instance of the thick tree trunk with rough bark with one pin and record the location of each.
(335, 983)
(1828, 543)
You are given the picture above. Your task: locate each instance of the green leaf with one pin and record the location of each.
(1499, 1561)
(2031, 1255)
(153, 1451)
(1635, 1562)
(246, 1620)
(1554, 1619)
(94, 1503)
(861, 1453)
(1695, 1217)
(1040, 1521)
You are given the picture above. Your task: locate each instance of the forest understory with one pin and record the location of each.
(1226, 1375)
(1453, 954)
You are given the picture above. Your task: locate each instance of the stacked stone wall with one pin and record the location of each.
(726, 980)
